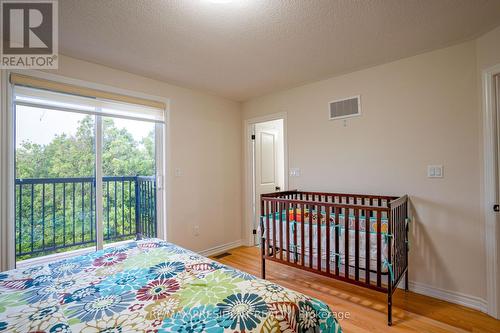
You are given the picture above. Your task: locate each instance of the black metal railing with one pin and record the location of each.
(58, 214)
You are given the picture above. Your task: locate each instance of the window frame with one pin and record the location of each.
(7, 169)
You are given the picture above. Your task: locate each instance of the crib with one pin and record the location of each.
(355, 238)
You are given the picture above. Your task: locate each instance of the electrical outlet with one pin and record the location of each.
(196, 230)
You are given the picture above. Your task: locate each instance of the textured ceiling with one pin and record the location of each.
(244, 48)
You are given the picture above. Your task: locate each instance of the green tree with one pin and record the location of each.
(69, 156)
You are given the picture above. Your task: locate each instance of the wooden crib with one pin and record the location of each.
(355, 238)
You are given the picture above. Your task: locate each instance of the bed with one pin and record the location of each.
(151, 286)
(356, 238)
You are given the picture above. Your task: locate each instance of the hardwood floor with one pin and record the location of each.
(365, 308)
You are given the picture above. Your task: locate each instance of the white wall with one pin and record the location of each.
(415, 112)
(204, 142)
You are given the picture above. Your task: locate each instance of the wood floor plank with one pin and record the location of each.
(366, 308)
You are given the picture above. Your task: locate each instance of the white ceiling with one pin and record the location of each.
(244, 48)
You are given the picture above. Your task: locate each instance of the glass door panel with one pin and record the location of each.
(54, 185)
(129, 179)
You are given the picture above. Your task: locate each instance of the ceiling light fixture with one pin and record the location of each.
(220, 1)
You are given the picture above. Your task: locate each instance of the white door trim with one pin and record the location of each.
(490, 193)
(248, 213)
(7, 230)
(99, 212)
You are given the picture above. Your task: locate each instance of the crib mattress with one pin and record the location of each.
(295, 247)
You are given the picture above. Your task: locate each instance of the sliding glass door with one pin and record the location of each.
(86, 172)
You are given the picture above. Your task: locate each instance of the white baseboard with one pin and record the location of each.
(469, 301)
(221, 248)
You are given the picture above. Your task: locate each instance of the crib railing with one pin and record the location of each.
(359, 239)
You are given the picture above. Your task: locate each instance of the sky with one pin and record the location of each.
(41, 125)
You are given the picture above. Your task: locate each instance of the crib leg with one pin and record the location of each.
(407, 287)
(263, 269)
(389, 309)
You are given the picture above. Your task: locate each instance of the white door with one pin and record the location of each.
(496, 79)
(269, 159)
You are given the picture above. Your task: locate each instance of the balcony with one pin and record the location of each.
(59, 214)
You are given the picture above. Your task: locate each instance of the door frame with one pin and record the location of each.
(248, 193)
(490, 193)
(7, 164)
(7, 209)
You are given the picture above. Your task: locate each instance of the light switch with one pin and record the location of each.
(438, 171)
(178, 172)
(435, 171)
(294, 172)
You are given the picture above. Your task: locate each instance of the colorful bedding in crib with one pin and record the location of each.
(151, 286)
(295, 246)
(295, 230)
(322, 218)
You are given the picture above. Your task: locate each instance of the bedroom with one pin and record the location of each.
(182, 84)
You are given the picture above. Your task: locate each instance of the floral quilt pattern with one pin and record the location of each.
(151, 286)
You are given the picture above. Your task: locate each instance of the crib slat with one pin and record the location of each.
(403, 236)
(400, 234)
(390, 221)
(379, 249)
(397, 233)
(367, 245)
(287, 231)
(318, 226)
(319, 215)
(302, 237)
(295, 259)
(336, 211)
(274, 205)
(311, 207)
(280, 228)
(395, 239)
(370, 203)
(356, 244)
(266, 214)
(327, 250)
(346, 240)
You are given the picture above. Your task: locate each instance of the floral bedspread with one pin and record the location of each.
(151, 286)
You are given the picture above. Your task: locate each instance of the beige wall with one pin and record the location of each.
(204, 142)
(415, 112)
(488, 49)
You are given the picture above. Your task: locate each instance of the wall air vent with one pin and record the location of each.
(345, 108)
